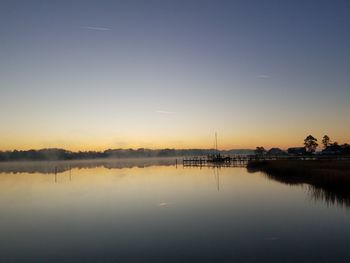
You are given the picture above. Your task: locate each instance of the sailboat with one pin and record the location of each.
(216, 157)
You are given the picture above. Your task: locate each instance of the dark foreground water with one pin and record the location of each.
(106, 213)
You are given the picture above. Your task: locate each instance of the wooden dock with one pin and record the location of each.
(242, 160)
(235, 161)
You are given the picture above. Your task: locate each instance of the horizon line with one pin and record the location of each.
(142, 148)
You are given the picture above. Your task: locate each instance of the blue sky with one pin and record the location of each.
(96, 74)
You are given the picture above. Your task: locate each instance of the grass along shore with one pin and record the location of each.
(323, 170)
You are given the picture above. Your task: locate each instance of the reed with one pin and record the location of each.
(330, 171)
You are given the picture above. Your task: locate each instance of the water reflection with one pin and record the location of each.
(161, 213)
(217, 176)
(331, 196)
(332, 193)
(56, 167)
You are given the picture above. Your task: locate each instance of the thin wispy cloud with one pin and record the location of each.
(96, 28)
(165, 112)
(163, 204)
(263, 76)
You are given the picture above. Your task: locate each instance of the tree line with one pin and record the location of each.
(310, 144)
(310, 147)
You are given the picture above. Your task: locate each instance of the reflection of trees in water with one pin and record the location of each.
(63, 166)
(332, 193)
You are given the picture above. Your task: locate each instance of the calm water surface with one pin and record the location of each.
(114, 212)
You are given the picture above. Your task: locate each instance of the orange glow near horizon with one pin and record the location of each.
(171, 77)
(225, 142)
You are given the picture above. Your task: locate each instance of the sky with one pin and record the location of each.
(93, 75)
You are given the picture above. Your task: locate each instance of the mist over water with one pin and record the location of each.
(99, 98)
(156, 212)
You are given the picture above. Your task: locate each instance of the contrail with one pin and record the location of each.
(96, 28)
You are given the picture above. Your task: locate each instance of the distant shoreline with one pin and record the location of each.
(54, 154)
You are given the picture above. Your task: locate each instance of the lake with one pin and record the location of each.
(154, 211)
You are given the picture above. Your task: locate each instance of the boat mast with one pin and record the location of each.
(216, 142)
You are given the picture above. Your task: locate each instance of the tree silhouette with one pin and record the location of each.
(260, 150)
(326, 141)
(310, 144)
